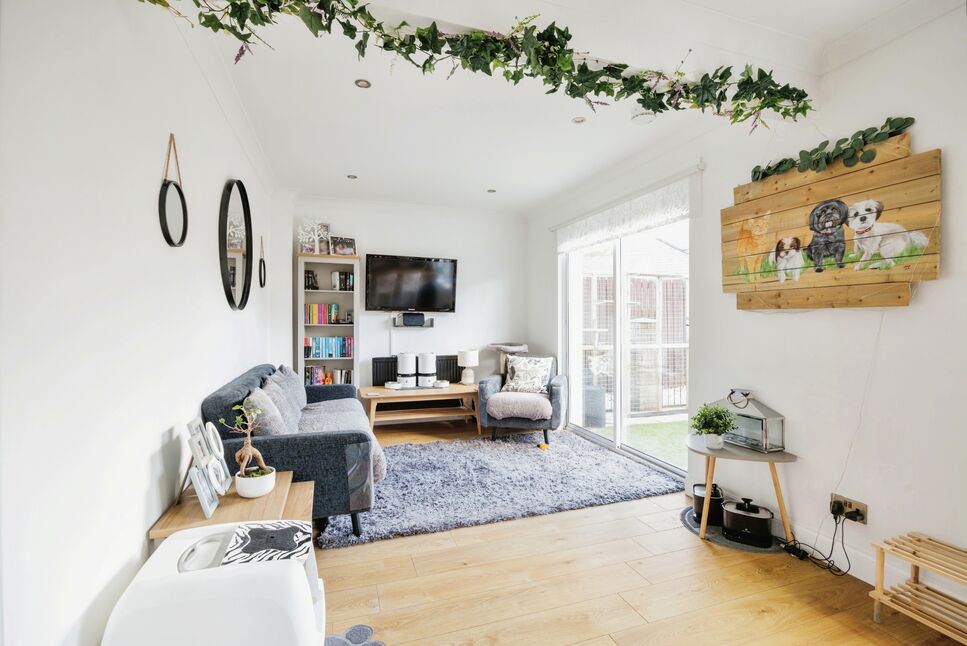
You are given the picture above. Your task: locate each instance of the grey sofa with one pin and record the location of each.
(556, 393)
(334, 446)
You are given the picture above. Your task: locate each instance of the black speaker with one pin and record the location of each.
(413, 319)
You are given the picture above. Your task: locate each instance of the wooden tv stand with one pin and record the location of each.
(373, 396)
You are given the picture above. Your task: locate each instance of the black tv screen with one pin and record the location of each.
(407, 284)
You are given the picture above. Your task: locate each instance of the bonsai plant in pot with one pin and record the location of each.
(712, 422)
(250, 481)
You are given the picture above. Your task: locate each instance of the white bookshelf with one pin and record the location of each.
(324, 265)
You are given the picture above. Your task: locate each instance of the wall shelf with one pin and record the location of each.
(329, 291)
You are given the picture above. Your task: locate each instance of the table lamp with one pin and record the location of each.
(467, 359)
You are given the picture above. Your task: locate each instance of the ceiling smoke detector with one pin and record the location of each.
(363, 83)
(578, 119)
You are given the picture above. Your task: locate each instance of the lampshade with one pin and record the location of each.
(468, 358)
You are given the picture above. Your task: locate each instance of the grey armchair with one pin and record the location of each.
(556, 393)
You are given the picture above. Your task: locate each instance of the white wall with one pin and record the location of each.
(892, 396)
(490, 275)
(110, 339)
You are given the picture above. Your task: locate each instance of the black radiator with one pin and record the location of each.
(384, 369)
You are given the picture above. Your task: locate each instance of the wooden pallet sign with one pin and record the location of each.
(843, 237)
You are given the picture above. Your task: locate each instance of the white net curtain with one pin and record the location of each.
(665, 205)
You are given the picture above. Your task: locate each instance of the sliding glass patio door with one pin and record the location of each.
(625, 337)
(591, 339)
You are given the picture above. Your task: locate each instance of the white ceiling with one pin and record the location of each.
(430, 140)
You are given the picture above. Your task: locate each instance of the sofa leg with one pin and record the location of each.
(493, 434)
(357, 526)
(546, 440)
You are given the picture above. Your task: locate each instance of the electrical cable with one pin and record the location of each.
(823, 561)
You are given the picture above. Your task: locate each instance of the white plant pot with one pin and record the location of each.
(255, 487)
(714, 441)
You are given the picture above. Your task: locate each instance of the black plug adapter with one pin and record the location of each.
(836, 507)
(855, 515)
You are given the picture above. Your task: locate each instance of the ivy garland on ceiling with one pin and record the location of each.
(524, 51)
(850, 149)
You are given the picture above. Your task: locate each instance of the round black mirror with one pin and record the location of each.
(173, 213)
(235, 243)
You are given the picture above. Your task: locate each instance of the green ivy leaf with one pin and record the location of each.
(849, 162)
(311, 19)
(868, 156)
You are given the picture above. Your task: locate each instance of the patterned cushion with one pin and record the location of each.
(287, 407)
(533, 406)
(527, 374)
(292, 385)
(270, 422)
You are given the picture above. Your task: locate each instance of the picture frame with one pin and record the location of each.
(207, 497)
(343, 246)
(313, 237)
(218, 451)
(325, 248)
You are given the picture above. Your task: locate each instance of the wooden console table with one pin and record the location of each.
(288, 501)
(373, 396)
(930, 607)
(731, 452)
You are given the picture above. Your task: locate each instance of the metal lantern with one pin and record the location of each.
(759, 427)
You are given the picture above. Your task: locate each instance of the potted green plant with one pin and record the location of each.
(254, 481)
(712, 422)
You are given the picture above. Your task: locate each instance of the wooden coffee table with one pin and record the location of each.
(288, 501)
(373, 396)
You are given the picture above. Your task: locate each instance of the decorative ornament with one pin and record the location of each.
(262, 269)
(524, 51)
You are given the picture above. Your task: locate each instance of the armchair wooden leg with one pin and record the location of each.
(357, 526)
(493, 434)
(546, 440)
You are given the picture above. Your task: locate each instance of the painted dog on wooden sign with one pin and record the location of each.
(826, 222)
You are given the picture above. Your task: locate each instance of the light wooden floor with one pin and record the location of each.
(619, 574)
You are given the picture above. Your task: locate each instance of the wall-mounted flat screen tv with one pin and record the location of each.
(408, 284)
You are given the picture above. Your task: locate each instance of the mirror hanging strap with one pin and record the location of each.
(172, 147)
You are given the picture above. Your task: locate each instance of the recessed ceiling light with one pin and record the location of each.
(578, 120)
(352, 176)
(491, 190)
(363, 83)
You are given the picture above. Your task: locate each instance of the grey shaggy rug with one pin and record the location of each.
(438, 486)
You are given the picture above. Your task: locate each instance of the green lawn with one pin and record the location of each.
(664, 440)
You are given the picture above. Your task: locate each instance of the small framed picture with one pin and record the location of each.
(204, 490)
(218, 453)
(324, 246)
(199, 449)
(343, 246)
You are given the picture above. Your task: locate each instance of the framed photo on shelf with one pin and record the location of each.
(343, 246)
(313, 237)
(204, 490)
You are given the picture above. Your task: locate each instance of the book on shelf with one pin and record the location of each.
(321, 313)
(317, 375)
(342, 281)
(309, 280)
(327, 347)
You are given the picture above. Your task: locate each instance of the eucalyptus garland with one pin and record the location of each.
(524, 51)
(851, 150)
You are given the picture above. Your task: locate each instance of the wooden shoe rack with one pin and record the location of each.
(931, 607)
